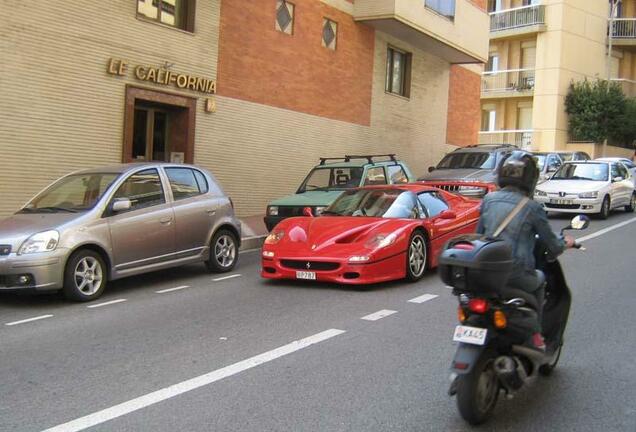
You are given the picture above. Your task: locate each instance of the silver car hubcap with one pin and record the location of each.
(225, 251)
(88, 275)
(417, 256)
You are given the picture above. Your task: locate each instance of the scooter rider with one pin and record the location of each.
(517, 178)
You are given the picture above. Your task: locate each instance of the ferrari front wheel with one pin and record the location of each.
(416, 257)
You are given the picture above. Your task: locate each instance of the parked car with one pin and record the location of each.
(472, 163)
(327, 180)
(588, 187)
(101, 224)
(631, 166)
(574, 156)
(548, 163)
(369, 235)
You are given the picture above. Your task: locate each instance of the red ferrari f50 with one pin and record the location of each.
(370, 235)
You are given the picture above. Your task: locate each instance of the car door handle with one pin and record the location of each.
(211, 212)
(165, 221)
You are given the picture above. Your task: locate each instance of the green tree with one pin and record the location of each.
(624, 134)
(595, 109)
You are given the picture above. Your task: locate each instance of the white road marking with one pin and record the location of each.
(191, 384)
(605, 230)
(28, 320)
(378, 315)
(226, 277)
(172, 289)
(106, 303)
(423, 298)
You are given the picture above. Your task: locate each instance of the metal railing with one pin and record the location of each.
(513, 80)
(628, 86)
(523, 138)
(623, 28)
(517, 17)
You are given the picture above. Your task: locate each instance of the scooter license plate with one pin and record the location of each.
(471, 335)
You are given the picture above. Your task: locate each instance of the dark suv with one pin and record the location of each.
(472, 163)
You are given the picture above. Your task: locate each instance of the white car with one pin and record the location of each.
(588, 187)
(631, 166)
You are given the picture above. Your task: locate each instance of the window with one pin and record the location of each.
(488, 120)
(175, 13)
(143, 189)
(183, 183)
(622, 171)
(494, 5)
(433, 203)
(75, 192)
(493, 63)
(329, 33)
(201, 181)
(284, 16)
(442, 7)
(397, 174)
(615, 171)
(375, 176)
(398, 72)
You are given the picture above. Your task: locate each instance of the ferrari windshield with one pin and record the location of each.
(332, 178)
(471, 160)
(384, 203)
(72, 193)
(582, 171)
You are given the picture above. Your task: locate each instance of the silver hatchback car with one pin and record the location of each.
(102, 224)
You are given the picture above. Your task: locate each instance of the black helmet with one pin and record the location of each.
(518, 170)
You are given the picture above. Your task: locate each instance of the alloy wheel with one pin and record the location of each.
(88, 275)
(225, 251)
(417, 255)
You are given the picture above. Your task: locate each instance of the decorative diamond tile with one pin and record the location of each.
(327, 33)
(283, 17)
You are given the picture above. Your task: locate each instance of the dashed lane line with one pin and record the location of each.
(423, 298)
(172, 289)
(41, 317)
(378, 315)
(146, 400)
(226, 277)
(108, 303)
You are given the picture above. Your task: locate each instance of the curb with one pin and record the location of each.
(253, 242)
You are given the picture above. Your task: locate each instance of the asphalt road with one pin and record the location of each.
(244, 354)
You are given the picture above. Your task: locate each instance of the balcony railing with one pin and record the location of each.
(513, 80)
(523, 138)
(623, 28)
(517, 17)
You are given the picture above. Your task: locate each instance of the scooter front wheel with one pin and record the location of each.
(477, 391)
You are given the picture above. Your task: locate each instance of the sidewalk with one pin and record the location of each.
(253, 232)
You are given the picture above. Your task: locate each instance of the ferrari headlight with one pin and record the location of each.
(318, 210)
(274, 237)
(45, 241)
(589, 194)
(540, 193)
(381, 241)
(272, 210)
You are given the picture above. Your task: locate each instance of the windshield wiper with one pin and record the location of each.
(329, 212)
(54, 209)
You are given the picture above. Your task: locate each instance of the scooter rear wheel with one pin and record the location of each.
(546, 369)
(477, 391)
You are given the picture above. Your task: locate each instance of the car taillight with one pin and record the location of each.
(478, 305)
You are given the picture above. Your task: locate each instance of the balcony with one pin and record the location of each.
(507, 83)
(522, 138)
(517, 21)
(628, 86)
(623, 32)
(457, 34)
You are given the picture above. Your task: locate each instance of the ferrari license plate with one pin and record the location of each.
(561, 201)
(471, 335)
(306, 275)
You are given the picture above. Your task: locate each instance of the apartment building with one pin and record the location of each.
(255, 91)
(537, 48)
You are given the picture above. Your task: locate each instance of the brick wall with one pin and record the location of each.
(259, 64)
(463, 106)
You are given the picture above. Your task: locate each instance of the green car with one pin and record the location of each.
(330, 177)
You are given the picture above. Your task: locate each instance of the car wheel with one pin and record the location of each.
(223, 252)
(605, 208)
(632, 204)
(416, 257)
(84, 276)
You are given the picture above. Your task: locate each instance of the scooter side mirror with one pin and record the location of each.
(431, 169)
(579, 222)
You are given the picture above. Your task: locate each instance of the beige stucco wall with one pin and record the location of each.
(61, 111)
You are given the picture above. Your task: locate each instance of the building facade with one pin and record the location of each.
(254, 91)
(537, 48)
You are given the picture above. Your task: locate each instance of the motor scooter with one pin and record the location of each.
(496, 321)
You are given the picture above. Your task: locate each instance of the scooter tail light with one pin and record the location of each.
(478, 305)
(499, 319)
(461, 315)
(464, 246)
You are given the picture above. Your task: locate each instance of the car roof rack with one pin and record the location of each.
(324, 159)
(369, 158)
(493, 145)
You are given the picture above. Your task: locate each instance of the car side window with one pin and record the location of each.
(201, 181)
(143, 189)
(622, 171)
(433, 203)
(375, 176)
(183, 183)
(397, 174)
(615, 171)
